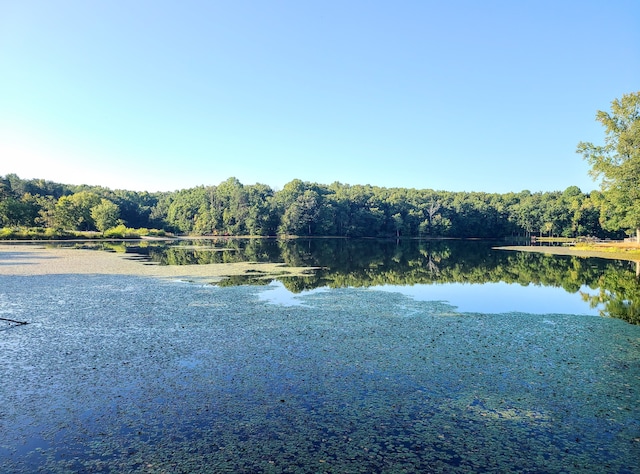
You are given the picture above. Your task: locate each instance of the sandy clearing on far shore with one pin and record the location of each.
(38, 260)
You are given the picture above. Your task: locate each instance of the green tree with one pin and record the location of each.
(13, 212)
(231, 202)
(159, 210)
(617, 163)
(301, 214)
(74, 212)
(261, 219)
(135, 207)
(105, 215)
(46, 212)
(185, 207)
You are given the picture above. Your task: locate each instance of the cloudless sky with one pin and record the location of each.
(453, 95)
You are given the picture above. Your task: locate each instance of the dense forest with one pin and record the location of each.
(299, 208)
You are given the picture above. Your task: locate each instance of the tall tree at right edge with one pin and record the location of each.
(618, 164)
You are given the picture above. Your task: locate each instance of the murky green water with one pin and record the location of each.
(128, 374)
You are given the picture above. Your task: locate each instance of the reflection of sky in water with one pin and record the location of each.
(277, 293)
(500, 297)
(467, 298)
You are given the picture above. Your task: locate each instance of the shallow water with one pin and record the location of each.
(117, 374)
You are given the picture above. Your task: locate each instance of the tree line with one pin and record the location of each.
(303, 209)
(312, 209)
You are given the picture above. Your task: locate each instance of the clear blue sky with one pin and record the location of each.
(449, 95)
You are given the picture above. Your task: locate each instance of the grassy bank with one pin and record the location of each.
(42, 233)
(630, 250)
(612, 250)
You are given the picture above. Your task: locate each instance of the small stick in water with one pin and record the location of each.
(13, 321)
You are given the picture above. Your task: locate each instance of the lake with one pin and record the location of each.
(393, 357)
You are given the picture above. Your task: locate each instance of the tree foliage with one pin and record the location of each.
(74, 212)
(617, 164)
(305, 208)
(105, 215)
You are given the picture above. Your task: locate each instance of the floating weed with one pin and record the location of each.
(133, 374)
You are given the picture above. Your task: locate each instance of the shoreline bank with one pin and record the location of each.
(610, 252)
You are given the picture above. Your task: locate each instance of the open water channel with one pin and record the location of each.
(394, 357)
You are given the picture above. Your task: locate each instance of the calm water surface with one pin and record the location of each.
(471, 275)
(403, 362)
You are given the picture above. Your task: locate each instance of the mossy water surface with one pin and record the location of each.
(133, 374)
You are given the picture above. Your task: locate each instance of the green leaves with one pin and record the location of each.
(105, 215)
(617, 163)
(306, 208)
(74, 212)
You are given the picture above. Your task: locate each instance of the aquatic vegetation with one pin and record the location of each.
(118, 374)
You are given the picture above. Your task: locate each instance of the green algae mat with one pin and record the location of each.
(133, 374)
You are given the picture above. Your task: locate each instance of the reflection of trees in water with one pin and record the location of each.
(300, 284)
(372, 262)
(432, 267)
(367, 263)
(619, 295)
(207, 251)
